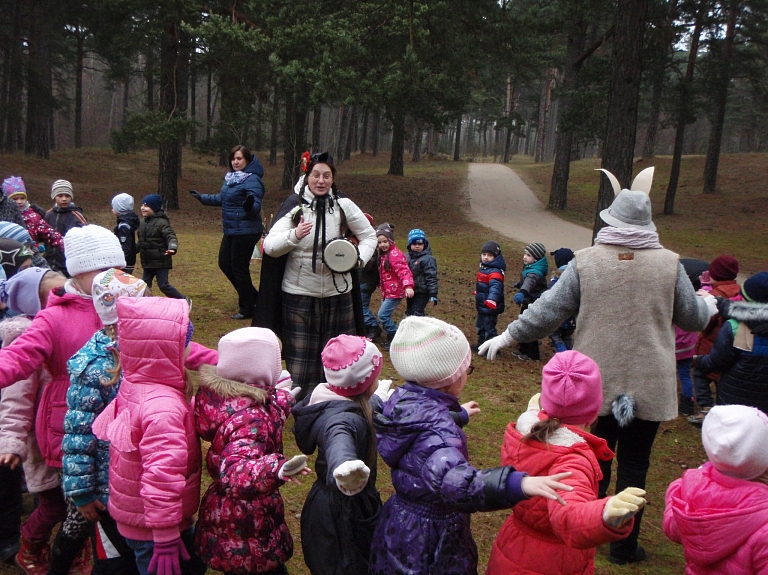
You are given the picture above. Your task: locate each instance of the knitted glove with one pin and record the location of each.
(622, 507)
(433, 300)
(384, 390)
(519, 298)
(533, 403)
(351, 477)
(490, 303)
(165, 557)
(248, 203)
(711, 304)
(492, 347)
(195, 194)
(292, 466)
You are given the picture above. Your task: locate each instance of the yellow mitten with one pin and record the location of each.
(622, 507)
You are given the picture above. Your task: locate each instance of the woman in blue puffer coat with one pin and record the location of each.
(240, 200)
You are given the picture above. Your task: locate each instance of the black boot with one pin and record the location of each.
(386, 344)
(372, 332)
(64, 551)
(685, 405)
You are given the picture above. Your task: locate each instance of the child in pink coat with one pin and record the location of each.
(154, 455)
(719, 512)
(56, 334)
(543, 537)
(395, 279)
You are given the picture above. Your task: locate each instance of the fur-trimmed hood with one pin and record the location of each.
(753, 314)
(229, 389)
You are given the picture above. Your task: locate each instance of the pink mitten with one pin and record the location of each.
(165, 558)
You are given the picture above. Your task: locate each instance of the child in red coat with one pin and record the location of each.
(543, 537)
(396, 279)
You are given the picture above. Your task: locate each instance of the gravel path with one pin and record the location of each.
(500, 200)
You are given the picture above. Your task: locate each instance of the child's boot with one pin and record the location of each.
(386, 344)
(64, 553)
(685, 405)
(33, 557)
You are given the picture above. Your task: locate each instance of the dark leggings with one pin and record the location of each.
(632, 446)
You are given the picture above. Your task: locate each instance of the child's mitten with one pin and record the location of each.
(292, 466)
(165, 557)
(490, 303)
(351, 477)
(519, 298)
(622, 507)
(384, 390)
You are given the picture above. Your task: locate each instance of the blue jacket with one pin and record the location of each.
(234, 219)
(490, 285)
(85, 465)
(424, 270)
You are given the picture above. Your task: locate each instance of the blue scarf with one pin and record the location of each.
(539, 267)
(234, 178)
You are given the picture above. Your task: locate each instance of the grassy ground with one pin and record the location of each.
(431, 197)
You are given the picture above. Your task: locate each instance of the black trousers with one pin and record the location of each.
(11, 509)
(632, 446)
(235, 262)
(162, 282)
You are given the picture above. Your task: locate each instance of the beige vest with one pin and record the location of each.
(625, 325)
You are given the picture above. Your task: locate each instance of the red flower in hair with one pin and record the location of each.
(305, 160)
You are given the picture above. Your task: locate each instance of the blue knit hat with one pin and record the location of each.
(416, 235)
(562, 256)
(153, 201)
(756, 288)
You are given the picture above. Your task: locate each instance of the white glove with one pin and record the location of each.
(711, 302)
(622, 507)
(492, 347)
(285, 381)
(295, 391)
(351, 477)
(384, 391)
(533, 403)
(291, 467)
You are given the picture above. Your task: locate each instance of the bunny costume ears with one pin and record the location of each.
(630, 208)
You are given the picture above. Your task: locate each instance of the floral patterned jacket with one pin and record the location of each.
(394, 273)
(39, 230)
(241, 526)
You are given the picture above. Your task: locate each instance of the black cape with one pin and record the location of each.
(269, 307)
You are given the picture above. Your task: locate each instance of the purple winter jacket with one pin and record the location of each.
(424, 527)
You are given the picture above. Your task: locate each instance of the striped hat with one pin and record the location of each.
(62, 187)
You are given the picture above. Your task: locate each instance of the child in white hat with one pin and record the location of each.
(425, 526)
(719, 512)
(238, 408)
(340, 512)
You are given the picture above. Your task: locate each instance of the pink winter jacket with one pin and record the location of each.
(722, 522)
(155, 459)
(18, 405)
(394, 274)
(685, 343)
(56, 334)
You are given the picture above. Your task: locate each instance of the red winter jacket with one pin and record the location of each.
(727, 289)
(394, 273)
(543, 537)
(39, 230)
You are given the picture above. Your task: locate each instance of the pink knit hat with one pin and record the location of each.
(571, 388)
(14, 186)
(250, 355)
(352, 363)
(735, 439)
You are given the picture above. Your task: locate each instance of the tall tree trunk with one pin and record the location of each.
(545, 103)
(364, 133)
(317, 117)
(416, 155)
(341, 143)
(457, 141)
(350, 142)
(682, 116)
(558, 189)
(79, 91)
(193, 104)
(149, 77)
(623, 99)
(39, 97)
(13, 113)
(274, 126)
(169, 157)
(653, 121)
(507, 144)
(293, 139)
(375, 133)
(398, 141)
(721, 99)
(126, 96)
(208, 109)
(51, 130)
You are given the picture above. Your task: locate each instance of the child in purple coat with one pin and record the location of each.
(425, 526)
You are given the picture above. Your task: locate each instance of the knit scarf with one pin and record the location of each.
(539, 267)
(629, 238)
(234, 178)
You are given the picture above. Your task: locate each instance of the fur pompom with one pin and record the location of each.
(623, 408)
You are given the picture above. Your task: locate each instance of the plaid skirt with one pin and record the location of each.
(308, 324)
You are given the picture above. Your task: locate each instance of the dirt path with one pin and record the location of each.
(500, 200)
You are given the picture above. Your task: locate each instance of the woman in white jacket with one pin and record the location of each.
(317, 303)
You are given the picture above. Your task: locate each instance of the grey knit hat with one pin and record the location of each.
(62, 187)
(536, 251)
